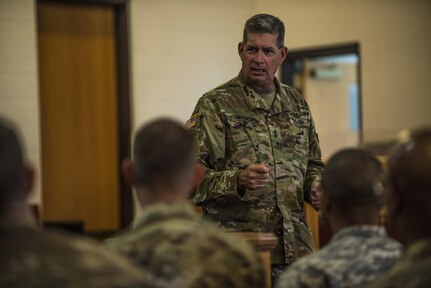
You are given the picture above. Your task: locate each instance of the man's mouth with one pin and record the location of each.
(258, 71)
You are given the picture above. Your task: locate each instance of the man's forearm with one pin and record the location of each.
(217, 184)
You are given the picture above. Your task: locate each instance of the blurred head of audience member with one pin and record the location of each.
(360, 250)
(408, 193)
(16, 178)
(352, 189)
(163, 167)
(407, 197)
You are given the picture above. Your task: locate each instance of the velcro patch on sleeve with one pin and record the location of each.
(191, 122)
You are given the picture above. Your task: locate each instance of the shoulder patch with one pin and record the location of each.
(191, 122)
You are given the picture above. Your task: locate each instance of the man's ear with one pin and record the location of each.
(240, 49)
(284, 52)
(29, 179)
(127, 168)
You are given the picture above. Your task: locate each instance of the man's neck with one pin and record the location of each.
(338, 223)
(147, 197)
(268, 98)
(263, 90)
(17, 214)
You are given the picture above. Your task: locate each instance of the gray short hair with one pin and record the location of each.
(265, 23)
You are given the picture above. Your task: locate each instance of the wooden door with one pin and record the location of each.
(78, 103)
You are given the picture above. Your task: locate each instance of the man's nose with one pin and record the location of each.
(259, 57)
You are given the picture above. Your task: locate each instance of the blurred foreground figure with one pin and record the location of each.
(169, 238)
(359, 250)
(32, 258)
(408, 201)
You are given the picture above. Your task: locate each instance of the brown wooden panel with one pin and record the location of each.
(78, 114)
(312, 219)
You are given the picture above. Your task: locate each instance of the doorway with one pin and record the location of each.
(329, 79)
(85, 113)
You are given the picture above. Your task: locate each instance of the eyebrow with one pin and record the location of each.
(266, 47)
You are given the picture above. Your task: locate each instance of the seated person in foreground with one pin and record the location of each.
(169, 238)
(359, 250)
(32, 258)
(408, 202)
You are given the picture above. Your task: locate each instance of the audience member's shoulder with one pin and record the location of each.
(226, 239)
(305, 272)
(412, 270)
(177, 246)
(60, 259)
(229, 253)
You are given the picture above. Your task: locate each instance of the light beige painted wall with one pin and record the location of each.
(180, 50)
(395, 50)
(18, 77)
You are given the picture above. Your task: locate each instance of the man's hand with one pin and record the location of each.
(315, 194)
(255, 176)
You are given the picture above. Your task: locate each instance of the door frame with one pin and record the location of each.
(121, 28)
(288, 67)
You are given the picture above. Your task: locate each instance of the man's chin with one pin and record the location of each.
(258, 75)
(257, 81)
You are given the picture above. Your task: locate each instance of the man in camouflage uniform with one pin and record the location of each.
(169, 239)
(32, 258)
(359, 250)
(259, 148)
(408, 202)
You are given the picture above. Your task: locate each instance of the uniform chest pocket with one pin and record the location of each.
(244, 139)
(295, 132)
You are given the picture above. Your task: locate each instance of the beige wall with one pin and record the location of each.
(181, 49)
(18, 76)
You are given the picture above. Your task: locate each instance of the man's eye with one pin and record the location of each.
(268, 52)
(251, 50)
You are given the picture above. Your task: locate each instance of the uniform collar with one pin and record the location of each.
(255, 102)
(163, 211)
(363, 231)
(17, 220)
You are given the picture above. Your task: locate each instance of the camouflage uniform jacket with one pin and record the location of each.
(234, 127)
(179, 249)
(355, 256)
(412, 270)
(32, 258)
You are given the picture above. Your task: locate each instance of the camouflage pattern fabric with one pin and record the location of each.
(355, 256)
(412, 270)
(276, 271)
(233, 128)
(172, 242)
(32, 258)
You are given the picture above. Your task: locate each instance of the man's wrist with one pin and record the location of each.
(242, 181)
(241, 184)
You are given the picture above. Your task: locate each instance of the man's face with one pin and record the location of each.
(260, 58)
